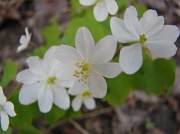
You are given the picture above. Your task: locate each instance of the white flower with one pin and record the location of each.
(6, 108)
(83, 95)
(89, 63)
(24, 41)
(40, 82)
(149, 32)
(102, 8)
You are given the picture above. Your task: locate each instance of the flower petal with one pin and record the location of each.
(2, 97)
(166, 34)
(4, 120)
(77, 103)
(100, 11)
(112, 6)
(28, 93)
(87, 2)
(109, 70)
(97, 85)
(84, 42)
(120, 31)
(151, 23)
(89, 103)
(67, 54)
(61, 98)
(161, 49)
(50, 61)
(77, 88)
(24, 43)
(27, 77)
(9, 108)
(36, 66)
(27, 34)
(45, 100)
(131, 58)
(131, 21)
(105, 50)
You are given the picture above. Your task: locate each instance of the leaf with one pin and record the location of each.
(120, 87)
(9, 72)
(25, 114)
(9, 131)
(54, 115)
(158, 75)
(28, 129)
(70, 113)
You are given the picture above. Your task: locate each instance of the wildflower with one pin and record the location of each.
(102, 8)
(83, 95)
(41, 83)
(89, 63)
(24, 40)
(149, 32)
(6, 108)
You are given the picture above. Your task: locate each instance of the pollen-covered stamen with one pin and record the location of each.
(142, 38)
(86, 93)
(82, 71)
(51, 80)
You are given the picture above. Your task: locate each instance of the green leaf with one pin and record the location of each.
(25, 114)
(28, 129)
(54, 115)
(70, 113)
(89, 22)
(9, 131)
(9, 72)
(158, 75)
(120, 87)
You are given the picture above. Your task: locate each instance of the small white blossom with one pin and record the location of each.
(83, 95)
(148, 32)
(41, 83)
(102, 8)
(24, 40)
(6, 108)
(88, 63)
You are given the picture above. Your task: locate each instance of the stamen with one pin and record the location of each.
(86, 93)
(83, 70)
(51, 80)
(143, 38)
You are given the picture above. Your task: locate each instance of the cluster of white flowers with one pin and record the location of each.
(79, 71)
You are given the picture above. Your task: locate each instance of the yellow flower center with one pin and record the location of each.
(51, 80)
(82, 71)
(143, 38)
(86, 93)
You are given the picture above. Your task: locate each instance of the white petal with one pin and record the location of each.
(100, 11)
(131, 58)
(161, 49)
(2, 97)
(50, 61)
(67, 83)
(87, 2)
(89, 103)
(131, 21)
(9, 108)
(26, 77)
(77, 103)
(67, 54)
(24, 43)
(109, 70)
(151, 23)
(97, 85)
(4, 120)
(45, 100)
(61, 98)
(120, 31)
(27, 34)
(77, 88)
(36, 66)
(105, 50)
(84, 42)
(112, 6)
(28, 93)
(168, 33)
